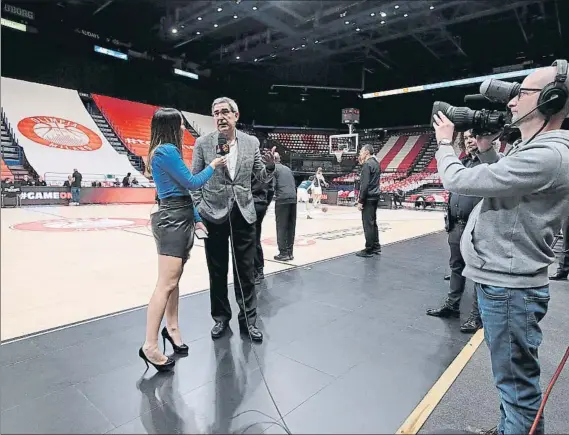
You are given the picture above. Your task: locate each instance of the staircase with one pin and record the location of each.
(425, 155)
(109, 133)
(190, 128)
(12, 154)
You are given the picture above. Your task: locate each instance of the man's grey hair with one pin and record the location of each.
(369, 149)
(232, 104)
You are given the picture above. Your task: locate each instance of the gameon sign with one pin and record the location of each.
(59, 133)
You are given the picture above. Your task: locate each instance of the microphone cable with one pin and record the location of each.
(283, 425)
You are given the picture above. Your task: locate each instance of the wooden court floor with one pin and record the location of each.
(62, 265)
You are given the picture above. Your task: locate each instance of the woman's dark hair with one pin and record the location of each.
(166, 127)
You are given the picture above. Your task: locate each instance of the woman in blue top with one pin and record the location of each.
(173, 229)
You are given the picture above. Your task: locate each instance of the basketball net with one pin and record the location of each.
(338, 155)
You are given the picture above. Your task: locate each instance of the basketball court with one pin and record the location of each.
(347, 349)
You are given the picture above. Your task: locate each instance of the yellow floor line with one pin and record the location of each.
(421, 413)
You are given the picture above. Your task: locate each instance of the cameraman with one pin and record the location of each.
(507, 242)
(459, 209)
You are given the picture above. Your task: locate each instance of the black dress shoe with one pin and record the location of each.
(253, 332)
(447, 278)
(472, 324)
(364, 253)
(559, 276)
(445, 311)
(282, 257)
(218, 329)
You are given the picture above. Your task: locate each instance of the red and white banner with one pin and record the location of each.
(57, 133)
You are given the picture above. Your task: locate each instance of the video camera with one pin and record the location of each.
(485, 121)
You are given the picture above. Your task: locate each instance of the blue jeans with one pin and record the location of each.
(511, 328)
(75, 194)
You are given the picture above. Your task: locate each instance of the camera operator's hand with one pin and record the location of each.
(444, 128)
(484, 143)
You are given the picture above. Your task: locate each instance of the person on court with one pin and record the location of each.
(285, 210)
(317, 184)
(303, 195)
(368, 200)
(173, 230)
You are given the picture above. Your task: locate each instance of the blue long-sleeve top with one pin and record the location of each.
(172, 177)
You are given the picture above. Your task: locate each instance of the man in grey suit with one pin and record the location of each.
(226, 206)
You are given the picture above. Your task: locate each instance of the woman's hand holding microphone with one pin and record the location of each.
(219, 161)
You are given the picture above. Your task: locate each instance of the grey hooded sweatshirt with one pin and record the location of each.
(507, 241)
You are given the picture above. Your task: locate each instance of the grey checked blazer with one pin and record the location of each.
(214, 198)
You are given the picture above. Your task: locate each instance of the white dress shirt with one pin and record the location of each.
(232, 159)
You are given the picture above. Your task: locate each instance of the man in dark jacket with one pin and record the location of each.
(262, 197)
(285, 210)
(459, 208)
(368, 200)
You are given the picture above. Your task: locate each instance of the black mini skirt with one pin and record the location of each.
(173, 227)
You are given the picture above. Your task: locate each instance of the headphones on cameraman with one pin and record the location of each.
(554, 95)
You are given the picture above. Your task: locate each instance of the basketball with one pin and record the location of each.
(324, 209)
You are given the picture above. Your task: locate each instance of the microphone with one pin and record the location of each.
(222, 147)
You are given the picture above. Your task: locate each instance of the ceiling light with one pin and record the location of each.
(182, 26)
(256, 60)
(405, 15)
(396, 6)
(346, 22)
(303, 45)
(383, 14)
(372, 14)
(237, 57)
(432, 7)
(200, 18)
(292, 48)
(254, 8)
(219, 9)
(357, 29)
(382, 22)
(215, 25)
(198, 33)
(174, 30)
(235, 16)
(317, 41)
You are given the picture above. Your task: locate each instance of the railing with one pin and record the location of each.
(107, 180)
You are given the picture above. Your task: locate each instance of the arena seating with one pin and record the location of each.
(202, 124)
(409, 153)
(57, 133)
(413, 182)
(303, 143)
(5, 171)
(131, 121)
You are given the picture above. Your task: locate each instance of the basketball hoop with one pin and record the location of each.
(338, 155)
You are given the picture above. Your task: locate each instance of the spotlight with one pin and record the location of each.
(219, 9)
(372, 14)
(254, 8)
(382, 22)
(303, 45)
(346, 22)
(215, 25)
(317, 41)
(235, 16)
(174, 30)
(432, 7)
(357, 29)
(383, 14)
(405, 15)
(198, 33)
(255, 60)
(237, 57)
(200, 18)
(396, 6)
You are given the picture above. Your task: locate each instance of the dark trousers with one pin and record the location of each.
(369, 220)
(285, 215)
(457, 281)
(564, 259)
(217, 256)
(259, 256)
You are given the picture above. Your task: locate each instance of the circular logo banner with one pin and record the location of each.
(299, 242)
(88, 224)
(59, 133)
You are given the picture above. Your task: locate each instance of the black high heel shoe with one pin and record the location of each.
(168, 365)
(180, 350)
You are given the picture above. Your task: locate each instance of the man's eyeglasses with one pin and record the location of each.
(223, 112)
(527, 91)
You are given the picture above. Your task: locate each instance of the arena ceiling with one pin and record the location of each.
(395, 41)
